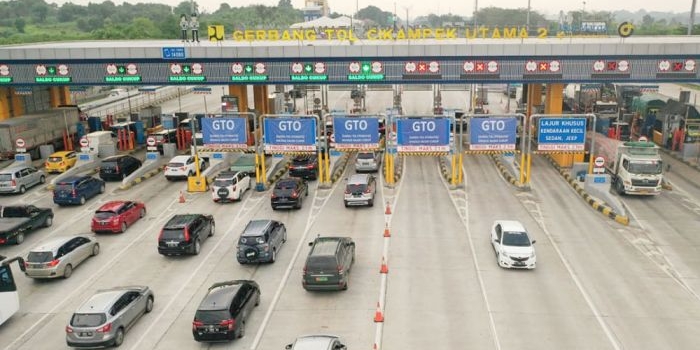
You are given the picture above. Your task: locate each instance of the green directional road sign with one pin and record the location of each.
(308, 67)
(121, 69)
(248, 68)
(365, 67)
(51, 70)
(186, 69)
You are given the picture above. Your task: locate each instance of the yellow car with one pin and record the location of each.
(61, 161)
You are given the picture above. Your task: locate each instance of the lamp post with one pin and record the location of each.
(691, 23)
(527, 18)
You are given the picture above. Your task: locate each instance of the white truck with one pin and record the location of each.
(635, 167)
(97, 139)
(40, 128)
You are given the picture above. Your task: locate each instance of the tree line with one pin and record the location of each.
(28, 21)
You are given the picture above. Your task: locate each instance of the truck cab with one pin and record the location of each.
(638, 169)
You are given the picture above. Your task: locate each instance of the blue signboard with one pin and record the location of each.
(493, 133)
(289, 134)
(20, 157)
(151, 156)
(357, 132)
(174, 53)
(423, 135)
(217, 156)
(561, 134)
(84, 157)
(229, 132)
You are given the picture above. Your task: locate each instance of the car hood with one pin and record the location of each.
(518, 251)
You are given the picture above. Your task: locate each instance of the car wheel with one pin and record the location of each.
(619, 188)
(257, 300)
(123, 228)
(274, 255)
(299, 203)
(241, 330)
(284, 239)
(102, 188)
(49, 221)
(22, 189)
(371, 202)
(346, 204)
(197, 247)
(274, 207)
(82, 200)
(95, 249)
(347, 283)
(19, 238)
(67, 271)
(212, 229)
(149, 304)
(119, 337)
(190, 174)
(42, 179)
(142, 214)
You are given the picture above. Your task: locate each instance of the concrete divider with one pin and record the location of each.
(593, 202)
(340, 165)
(278, 170)
(216, 165)
(87, 162)
(151, 166)
(508, 169)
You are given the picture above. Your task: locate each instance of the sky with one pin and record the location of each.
(424, 7)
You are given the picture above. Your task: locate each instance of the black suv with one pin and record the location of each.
(328, 263)
(260, 241)
(288, 193)
(304, 166)
(118, 167)
(184, 233)
(224, 310)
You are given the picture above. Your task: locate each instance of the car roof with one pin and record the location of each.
(112, 206)
(53, 244)
(511, 225)
(316, 340)
(73, 179)
(227, 174)
(359, 179)
(60, 153)
(180, 220)
(118, 156)
(13, 168)
(288, 180)
(180, 159)
(100, 302)
(256, 227)
(219, 296)
(326, 245)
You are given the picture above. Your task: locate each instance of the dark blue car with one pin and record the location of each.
(77, 189)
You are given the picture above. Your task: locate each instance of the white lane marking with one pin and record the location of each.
(579, 285)
(88, 282)
(465, 221)
(302, 242)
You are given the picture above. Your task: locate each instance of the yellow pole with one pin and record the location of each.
(591, 158)
(522, 167)
(320, 167)
(196, 163)
(391, 162)
(454, 170)
(387, 167)
(263, 177)
(460, 172)
(529, 163)
(328, 168)
(257, 168)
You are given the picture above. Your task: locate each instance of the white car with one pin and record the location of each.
(230, 186)
(512, 245)
(181, 167)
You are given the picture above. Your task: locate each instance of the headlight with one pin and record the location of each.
(505, 254)
(532, 255)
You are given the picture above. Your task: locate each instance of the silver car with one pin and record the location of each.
(106, 316)
(368, 161)
(360, 190)
(316, 342)
(59, 256)
(18, 178)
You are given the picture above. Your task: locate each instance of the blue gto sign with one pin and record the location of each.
(492, 133)
(230, 132)
(358, 132)
(561, 134)
(423, 135)
(289, 134)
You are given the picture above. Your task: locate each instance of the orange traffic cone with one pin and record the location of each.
(182, 197)
(384, 269)
(388, 209)
(386, 230)
(378, 316)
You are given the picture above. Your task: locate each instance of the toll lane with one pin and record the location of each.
(636, 303)
(432, 293)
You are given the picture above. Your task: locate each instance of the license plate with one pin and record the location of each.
(250, 255)
(321, 279)
(103, 223)
(85, 334)
(519, 264)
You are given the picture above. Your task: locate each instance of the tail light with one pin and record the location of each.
(340, 270)
(230, 323)
(61, 163)
(13, 183)
(69, 329)
(53, 263)
(3, 241)
(105, 329)
(347, 191)
(196, 324)
(116, 168)
(183, 168)
(273, 195)
(310, 166)
(295, 194)
(160, 235)
(26, 264)
(266, 247)
(304, 271)
(74, 193)
(367, 190)
(187, 234)
(46, 164)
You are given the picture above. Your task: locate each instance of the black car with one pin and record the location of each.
(328, 264)
(118, 167)
(260, 241)
(184, 233)
(289, 193)
(304, 166)
(223, 312)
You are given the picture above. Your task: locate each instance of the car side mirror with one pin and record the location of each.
(340, 347)
(311, 244)
(289, 346)
(533, 242)
(497, 240)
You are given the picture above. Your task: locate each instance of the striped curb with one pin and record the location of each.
(504, 171)
(141, 178)
(339, 167)
(443, 169)
(594, 203)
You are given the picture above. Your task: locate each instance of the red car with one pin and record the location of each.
(115, 216)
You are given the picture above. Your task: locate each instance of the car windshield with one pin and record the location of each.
(302, 160)
(104, 215)
(175, 234)
(212, 316)
(55, 159)
(5, 177)
(365, 156)
(223, 183)
(252, 240)
(14, 212)
(64, 187)
(649, 168)
(354, 188)
(288, 185)
(325, 262)
(40, 257)
(109, 165)
(175, 165)
(87, 320)
(516, 239)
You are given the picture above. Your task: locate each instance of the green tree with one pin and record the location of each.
(376, 15)
(20, 23)
(285, 3)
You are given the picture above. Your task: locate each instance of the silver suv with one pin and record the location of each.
(368, 161)
(360, 190)
(102, 320)
(18, 178)
(59, 256)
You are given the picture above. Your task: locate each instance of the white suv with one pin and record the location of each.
(181, 167)
(229, 186)
(512, 245)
